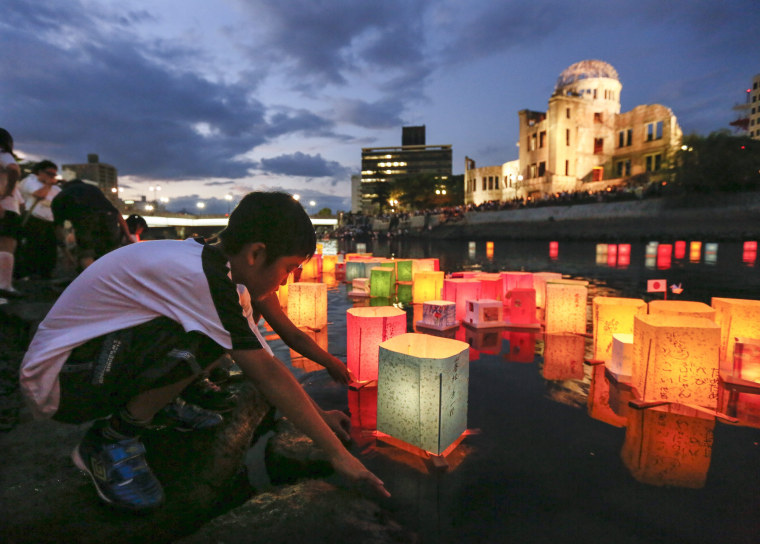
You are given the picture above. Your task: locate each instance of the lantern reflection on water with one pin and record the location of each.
(304, 363)
(669, 445)
(486, 341)
(598, 402)
(422, 391)
(675, 359)
(610, 315)
(566, 306)
(366, 328)
(522, 346)
(563, 356)
(307, 304)
(747, 359)
(427, 285)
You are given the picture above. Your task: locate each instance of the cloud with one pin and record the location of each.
(217, 183)
(381, 114)
(301, 164)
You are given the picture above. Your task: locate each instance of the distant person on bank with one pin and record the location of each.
(10, 209)
(98, 225)
(38, 252)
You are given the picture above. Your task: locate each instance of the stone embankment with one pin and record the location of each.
(719, 217)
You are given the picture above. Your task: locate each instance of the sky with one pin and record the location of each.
(207, 99)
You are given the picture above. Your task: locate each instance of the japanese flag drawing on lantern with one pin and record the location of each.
(657, 286)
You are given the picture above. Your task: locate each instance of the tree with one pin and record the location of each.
(324, 212)
(425, 191)
(718, 162)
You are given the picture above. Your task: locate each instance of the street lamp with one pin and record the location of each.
(201, 205)
(228, 198)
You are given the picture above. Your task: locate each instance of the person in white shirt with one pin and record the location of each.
(38, 251)
(10, 206)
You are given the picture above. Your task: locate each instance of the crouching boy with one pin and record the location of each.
(136, 327)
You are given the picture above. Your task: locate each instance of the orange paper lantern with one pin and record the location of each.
(366, 328)
(566, 306)
(563, 356)
(695, 252)
(610, 315)
(675, 359)
(682, 307)
(307, 304)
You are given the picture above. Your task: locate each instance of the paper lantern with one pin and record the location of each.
(484, 313)
(741, 402)
(422, 391)
(736, 318)
(361, 247)
(466, 274)
(747, 359)
(624, 255)
(664, 256)
(282, 292)
(380, 301)
(695, 252)
(460, 291)
(650, 254)
(553, 250)
(404, 270)
(489, 250)
(682, 307)
(539, 284)
(612, 252)
(679, 249)
(669, 445)
(307, 304)
(438, 314)
(598, 400)
(382, 282)
(711, 253)
(404, 292)
(566, 306)
(620, 394)
(601, 253)
(749, 253)
(328, 264)
(610, 315)
(366, 328)
(362, 405)
(517, 280)
(354, 269)
(522, 346)
(486, 341)
(424, 265)
(563, 356)
(304, 363)
(621, 357)
(312, 269)
(427, 285)
(491, 286)
(521, 308)
(360, 287)
(675, 359)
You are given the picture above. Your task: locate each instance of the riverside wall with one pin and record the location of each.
(719, 217)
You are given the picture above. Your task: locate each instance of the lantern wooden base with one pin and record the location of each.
(424, 325)
(437, 461)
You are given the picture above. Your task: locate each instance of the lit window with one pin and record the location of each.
(597, 117)
(597, 174)
(598, 146)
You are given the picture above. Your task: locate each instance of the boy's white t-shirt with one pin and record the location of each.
(185, 281)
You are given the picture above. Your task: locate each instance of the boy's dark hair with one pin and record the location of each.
(43, 165)
(6, 141)
(275, 219)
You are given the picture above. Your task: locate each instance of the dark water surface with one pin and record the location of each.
(565, 460)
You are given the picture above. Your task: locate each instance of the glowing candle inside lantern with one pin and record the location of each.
(675, 359)
(669, 445)
(736, 318)
(427, 285)
(307, 304)
(422, 391)
(563, 356)
(682, 307)
(382, 282)
(566, 306)
(610, 315)
(460, 291)
(366, 328)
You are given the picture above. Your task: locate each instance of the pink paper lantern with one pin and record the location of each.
(521, 304)
(460, 291)
(366, 328)
(491, 286)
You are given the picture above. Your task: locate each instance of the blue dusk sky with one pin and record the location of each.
(207, 98)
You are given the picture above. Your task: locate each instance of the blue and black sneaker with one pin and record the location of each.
(184, 416)
(119, 471)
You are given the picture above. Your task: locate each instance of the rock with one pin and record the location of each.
(311, 511)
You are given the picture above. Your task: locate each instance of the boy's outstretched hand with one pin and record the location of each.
(340, 424)
(357, 474)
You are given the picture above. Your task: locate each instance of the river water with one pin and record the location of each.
(555, 453)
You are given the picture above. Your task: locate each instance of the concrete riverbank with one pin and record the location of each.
(719, 217)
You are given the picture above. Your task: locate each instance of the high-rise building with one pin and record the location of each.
(103, 175)
(383, 164)
(582, 142)
(754, 112)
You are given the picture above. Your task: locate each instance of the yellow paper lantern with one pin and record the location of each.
(427, 285)
(682, 307)
(422, 391)
(566, 306)
(328, 264)
(610, 315)
(675, 359)
(736, 318)
(312, 269)
(669, 445)
(459, 291)
(563, 356)
(307, 304)
(366, 328)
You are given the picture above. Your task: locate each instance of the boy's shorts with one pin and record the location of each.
(101, 375)
(10, 225)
